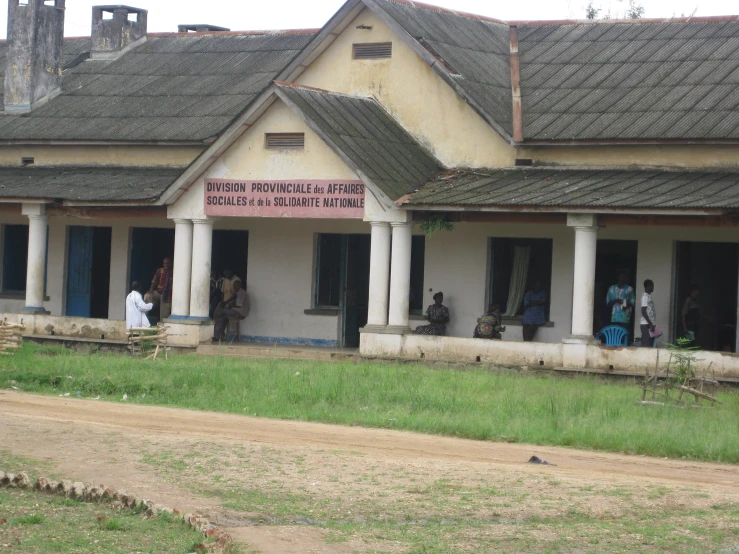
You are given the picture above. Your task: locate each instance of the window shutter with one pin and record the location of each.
(285, 141)
(373, 50)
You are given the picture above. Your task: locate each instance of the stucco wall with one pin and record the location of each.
(100, 155)
(409, 89)
(692, 156)
(248, 159)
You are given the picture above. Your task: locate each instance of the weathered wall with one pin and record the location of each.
(141, 156)
(248, 158)
(409, 89)
(683, 156)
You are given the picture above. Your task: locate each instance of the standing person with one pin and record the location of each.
(216, 284)
(620, 300)
(136, 308)
(227, 286)
(648, 321)
(160, 291)
(235, 307)
(533, 311)
(691, 315)
(437, 315)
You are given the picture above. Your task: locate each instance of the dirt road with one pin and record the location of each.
(116, 442)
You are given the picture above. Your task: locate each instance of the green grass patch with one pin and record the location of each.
(539, 408)
(38, 523)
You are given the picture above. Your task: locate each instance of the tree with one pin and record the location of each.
(627, 9)
(591, 12)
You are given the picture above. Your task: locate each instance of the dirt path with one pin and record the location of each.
(111, 443)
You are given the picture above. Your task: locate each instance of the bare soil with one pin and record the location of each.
(198, 461)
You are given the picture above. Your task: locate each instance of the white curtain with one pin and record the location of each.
(519, 274)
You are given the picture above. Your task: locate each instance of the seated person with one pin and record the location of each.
(236, 307)
(489, 325)
(437, 316)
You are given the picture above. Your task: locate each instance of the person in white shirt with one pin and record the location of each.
(136, 308)
(648, 320)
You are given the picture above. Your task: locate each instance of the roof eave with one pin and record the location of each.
(623, 142)
(565, 209)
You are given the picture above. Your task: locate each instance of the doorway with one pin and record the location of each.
(714, 268)
(356, 288)
(88, 271)
(612, 256)
(230, 251)
(149, 247)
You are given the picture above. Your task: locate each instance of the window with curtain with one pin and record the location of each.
(515, 264)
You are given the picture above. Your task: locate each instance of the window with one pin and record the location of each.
(329, 257)
(15, 257)
(285, 141)
(515, 265)
(372, 50)
(418, 256)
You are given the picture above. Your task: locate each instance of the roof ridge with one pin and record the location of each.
(166, 34)
(431, 7)
(285, 84)
(690, 19)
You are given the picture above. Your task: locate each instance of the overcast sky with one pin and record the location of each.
(164, 15)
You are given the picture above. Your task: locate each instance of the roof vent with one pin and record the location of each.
(33, 72)
(373, 50)
(200, 28)
(524, 162)
(285, 141)
(115, 30)
(27, 160)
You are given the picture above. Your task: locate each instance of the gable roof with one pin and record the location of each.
(366, 136)
(85, 184)
(551, 189)
(171, 88)
(644, 80)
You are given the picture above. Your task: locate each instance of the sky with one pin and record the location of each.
(165, 15)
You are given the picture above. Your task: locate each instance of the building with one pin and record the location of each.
(309, 161)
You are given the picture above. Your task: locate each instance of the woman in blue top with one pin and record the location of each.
(534, 314)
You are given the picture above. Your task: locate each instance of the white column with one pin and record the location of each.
(182, 271)
(202, 243)
(583, 287)
(379, 274)
(36, 266)
(400, 275)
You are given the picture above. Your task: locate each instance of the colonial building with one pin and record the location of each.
(312, 162)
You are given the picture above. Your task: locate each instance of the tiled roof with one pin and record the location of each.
(580, 188)
(474, 52)
(171, 88)
(86, 184)
(368, 136)
(657, 80)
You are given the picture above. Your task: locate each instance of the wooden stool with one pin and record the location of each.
(234, 326)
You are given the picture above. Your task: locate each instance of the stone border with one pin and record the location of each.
(220, 542)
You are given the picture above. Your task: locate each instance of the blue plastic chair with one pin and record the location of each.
(614, 335)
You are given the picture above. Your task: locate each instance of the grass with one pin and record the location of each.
(38, 523)
(582, 412)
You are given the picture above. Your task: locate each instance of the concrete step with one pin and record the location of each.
(278, 352)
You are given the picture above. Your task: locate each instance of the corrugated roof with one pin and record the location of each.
(581, 188)
(171, 88)
(623, 81)
(87, 184)
(369, 136)
(474, 51)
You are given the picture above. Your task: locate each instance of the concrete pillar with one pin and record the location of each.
(182, 271)
(400, 276)
(36, 266)
(120, 286)
(586, 240)
(202, 244)
(379, 274)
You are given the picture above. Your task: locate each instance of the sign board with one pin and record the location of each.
(293, 198)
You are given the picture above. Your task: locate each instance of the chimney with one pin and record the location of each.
(115, 30)
(200, 28)
(34, 56)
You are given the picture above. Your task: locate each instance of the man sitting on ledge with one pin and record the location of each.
(235, 307)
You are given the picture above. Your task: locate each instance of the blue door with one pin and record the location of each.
(79, 272)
